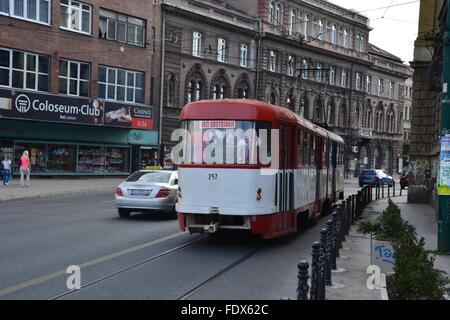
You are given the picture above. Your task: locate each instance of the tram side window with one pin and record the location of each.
(306, 149)
(313, 149)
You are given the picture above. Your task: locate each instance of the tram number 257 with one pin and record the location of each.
(212, 176)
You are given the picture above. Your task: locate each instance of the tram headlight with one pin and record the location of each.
(259, 191)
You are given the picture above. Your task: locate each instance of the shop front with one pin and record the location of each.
(71, 136)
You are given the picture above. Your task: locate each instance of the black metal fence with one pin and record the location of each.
(326, 252)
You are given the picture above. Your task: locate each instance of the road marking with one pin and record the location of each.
(86, 264)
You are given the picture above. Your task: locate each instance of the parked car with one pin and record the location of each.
(375, 177)
(148, 190)
(404, 180)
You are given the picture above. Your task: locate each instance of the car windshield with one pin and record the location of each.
(146, 177)
(369, 173)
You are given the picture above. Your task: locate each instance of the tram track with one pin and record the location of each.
(228, 268)
(153, 258)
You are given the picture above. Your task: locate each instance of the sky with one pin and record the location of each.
(394, 23)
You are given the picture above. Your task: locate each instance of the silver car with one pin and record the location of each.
(148, 190)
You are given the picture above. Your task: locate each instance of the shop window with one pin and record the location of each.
(101, 159)
(24, 70)
(74, 78)
(122, 28)
(149, 158)
(37, 153)
(61, 158)
(76, 16)
(30, 10)
(120, 84)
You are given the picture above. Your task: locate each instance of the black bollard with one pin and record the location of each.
(334, 242)
(389, 190)
(329, 251)
(315, 272)
(303, 288)
(382, 190)
(322, 262)
(393, 188)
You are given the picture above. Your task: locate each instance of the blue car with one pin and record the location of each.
(375, 177)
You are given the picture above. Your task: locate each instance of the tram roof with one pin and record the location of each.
(247, 109)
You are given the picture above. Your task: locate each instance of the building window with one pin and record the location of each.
(23, 70)
(357, 118)
(120, 85)
(346, 40)
(306, 26)
(278, 14)
(197, 44)
(243, 57)
(369, 84)
(74, 78)
(272, 13)
(333, 34)
(319, 73)
(272, 99)
(243, 91)
(369, 119)
(344, 78)
(30, 10)
(122, 28)
(221, 50)
(379, 121)
(380, 90)
(305, 66)
(172, 91)
(358, 84)
(391, 89)
(362, 44)
(291, 66)
(390, 122)
(76, 16)
(220, 91)
(321, 30)
(273, 61)
(332, 75)
(195, 90)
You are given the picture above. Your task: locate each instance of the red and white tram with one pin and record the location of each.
(308, 179)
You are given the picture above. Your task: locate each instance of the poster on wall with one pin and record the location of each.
(128, 116)
(444, 168)
(16, 104)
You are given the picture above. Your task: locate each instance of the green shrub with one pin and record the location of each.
(389, 226)
(415, 277)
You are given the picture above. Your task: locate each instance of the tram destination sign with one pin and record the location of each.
(42, 107)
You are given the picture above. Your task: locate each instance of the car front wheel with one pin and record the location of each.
(123, 213)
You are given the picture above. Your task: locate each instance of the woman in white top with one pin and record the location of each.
(6, 170)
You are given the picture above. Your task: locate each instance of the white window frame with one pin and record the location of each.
(197, 44)
(221, 50)
(344, 78)
(272, 12)
(358, 80)
(25, 70)
(278, 14)
(391, 89)
(306, 26)
(243, 56)
(293, 22)
(70, 6)
(369, 84)
(78, 79)
(319, 74)
(124, 20)
(362, 43)
(346, 39)
(321, 30)
(291, 66)
(380, 88)
(272, 61)
(305, 65)
(333, 39)
(332, 79)
(11, 13)
(126, 86)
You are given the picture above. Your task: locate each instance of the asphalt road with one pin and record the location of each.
(143, 257)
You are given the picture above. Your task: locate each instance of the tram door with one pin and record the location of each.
(286, 173)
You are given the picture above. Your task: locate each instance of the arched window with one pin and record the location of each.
(272, 98)
(306, 26)
(343, 116)
(290, 102)
(278, 14)
(321, 30)
(293, 22)
(390, 122)
(220, 89)
(333, 34)
(346, 40)
(272, 13)
(172, 91)
(369, 119)
(195, 90)
(357, 118)
(379, 121)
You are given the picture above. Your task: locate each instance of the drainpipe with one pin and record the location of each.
(163, 58)
(258, 59)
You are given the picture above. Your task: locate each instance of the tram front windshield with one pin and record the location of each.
(232, 142)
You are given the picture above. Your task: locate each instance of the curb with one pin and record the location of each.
(60, 195)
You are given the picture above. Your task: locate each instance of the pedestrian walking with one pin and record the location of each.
(6, 170)
(25, 168)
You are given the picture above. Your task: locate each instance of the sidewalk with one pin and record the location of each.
(49, 188)
(349, 283)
